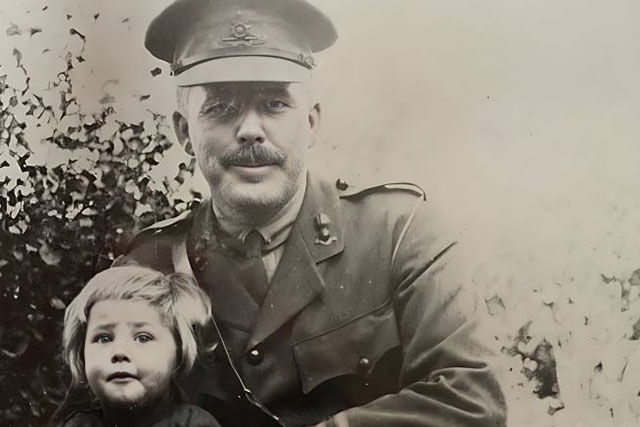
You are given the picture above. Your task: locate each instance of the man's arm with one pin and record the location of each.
(445, 378)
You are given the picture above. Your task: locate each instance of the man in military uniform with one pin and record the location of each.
(334, 305)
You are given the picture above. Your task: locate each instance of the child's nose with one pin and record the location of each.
(120, 355)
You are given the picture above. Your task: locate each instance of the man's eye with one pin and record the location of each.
(276, 105)
(102, 339)
(143, 338)
(219, 109)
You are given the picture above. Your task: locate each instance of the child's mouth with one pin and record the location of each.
(121, 377)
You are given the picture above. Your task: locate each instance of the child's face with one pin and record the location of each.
(129, 353)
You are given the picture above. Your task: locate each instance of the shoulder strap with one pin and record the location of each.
(159, 227)
(353, 190)
(167, 222)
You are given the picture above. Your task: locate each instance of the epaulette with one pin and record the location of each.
(346, 189)
(165, 223)
(154, 230)
(160, 226)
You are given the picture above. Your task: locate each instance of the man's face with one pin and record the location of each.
(250, 140)
(129, 353)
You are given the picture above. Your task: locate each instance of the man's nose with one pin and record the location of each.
(250, 128)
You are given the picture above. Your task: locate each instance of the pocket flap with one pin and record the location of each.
(352, 348)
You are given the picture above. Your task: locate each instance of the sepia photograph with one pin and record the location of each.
(329, 213)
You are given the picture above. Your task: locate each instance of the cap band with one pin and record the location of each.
(244, 68)
(185, 63)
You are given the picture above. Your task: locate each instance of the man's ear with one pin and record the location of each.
(314, 121)
(181, 128)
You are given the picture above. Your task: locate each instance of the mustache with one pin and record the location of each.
(252, 155)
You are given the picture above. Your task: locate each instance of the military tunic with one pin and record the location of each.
(367, 321)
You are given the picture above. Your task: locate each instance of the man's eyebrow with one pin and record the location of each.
(217, 92)
(274, 88)
(272, 85)
(284, 92)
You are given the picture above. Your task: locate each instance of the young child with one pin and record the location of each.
(129, 334)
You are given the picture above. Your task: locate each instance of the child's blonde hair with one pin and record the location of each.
(182, 304)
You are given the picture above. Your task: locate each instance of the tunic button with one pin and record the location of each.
(199, 263)
(341, 184)
(255, 356)
(363, 365)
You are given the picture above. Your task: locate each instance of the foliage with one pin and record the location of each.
(63, 221)
(572, 342)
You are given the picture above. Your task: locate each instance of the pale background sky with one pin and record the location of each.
(521, 117)
(473, 99)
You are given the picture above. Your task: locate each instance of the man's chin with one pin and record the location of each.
(256, 191)
(260, 196)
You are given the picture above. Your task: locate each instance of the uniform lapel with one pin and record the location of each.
(218, 274)
(297, 280)
(230, 301)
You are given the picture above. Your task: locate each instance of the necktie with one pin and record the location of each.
(225, 261)
(255, 276)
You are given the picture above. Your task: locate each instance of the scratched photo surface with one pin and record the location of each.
(521, 119)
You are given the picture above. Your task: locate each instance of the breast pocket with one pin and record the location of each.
(352, 348)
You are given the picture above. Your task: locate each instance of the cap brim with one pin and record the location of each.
(244, 69)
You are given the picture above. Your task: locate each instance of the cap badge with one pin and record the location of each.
(241, 35)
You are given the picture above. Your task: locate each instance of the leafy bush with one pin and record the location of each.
(63, 221)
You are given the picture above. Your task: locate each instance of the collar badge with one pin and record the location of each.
(324, 236)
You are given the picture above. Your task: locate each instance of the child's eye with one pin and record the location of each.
(143, 338)
(102, 339)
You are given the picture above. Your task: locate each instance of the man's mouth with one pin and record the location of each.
(254, 168)
(250, 164)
